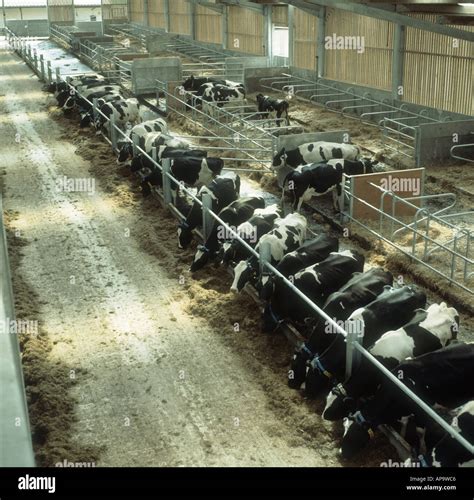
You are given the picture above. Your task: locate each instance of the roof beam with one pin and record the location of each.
(245, 5)
(395, 17)
(211, 6)
(307, 7)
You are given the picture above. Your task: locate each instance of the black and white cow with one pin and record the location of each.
(426, 332)
(359, 291)
(79, 97)
(261, 222)
(224, 189)
(140, 131)
(65, 90)
(439, 378)
(315, 152)
(317, 282)
(450, 453)
(236, 213)
(188, 170)
(318, 179)
(62, 85)
(167, 146)
(192, 83)
(219, 95)
(393, 308)
(311, 252)
(86, 111)
(267, 105)
(288, 234)
(123, 111)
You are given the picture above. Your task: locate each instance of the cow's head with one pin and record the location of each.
(185, 235)
(188, 84)
(201, 258)
(318, 379)
(215, 165)
(357, 434)
(125, 152)
(270, 320)
(69, 104)
(297, 372)
(338, 404)
(259, 98)
(442, 321)
(279, 159)
(244, 272)
(368, 165)
(137, 163)
(266, 287)
(228, 253)
(86, 119)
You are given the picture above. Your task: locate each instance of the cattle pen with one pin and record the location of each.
(162, 334)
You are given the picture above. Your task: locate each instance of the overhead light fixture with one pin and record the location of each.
(466, 4)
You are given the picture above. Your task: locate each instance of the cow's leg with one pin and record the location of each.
(278, 115)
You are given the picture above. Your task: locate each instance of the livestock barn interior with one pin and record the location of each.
(237, 233)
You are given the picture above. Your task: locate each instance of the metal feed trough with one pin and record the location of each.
(354, 349)
(412, 134)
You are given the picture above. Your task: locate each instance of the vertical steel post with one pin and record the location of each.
(94, 109)
(225, 26)
(354, 336)
(291, 35)
(207, 220)
(320, 51)
(58, 75)
(113, 132)
(165, 170)
(398, 61)
(44, 75)
(135, 140)
(166, 7)
(265, 255)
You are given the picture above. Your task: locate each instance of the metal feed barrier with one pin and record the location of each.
(236, 124)
(455, 257)
(399, 125)
(205, 60)
(354, 349)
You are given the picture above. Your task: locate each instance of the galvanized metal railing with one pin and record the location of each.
(353, 347)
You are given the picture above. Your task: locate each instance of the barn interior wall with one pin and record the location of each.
(137, 11)
(438, 70)
(156, 13)
(208, 25)
(246, 31)
(435, 70)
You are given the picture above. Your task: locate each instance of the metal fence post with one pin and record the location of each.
(58, 75)
(35, 62)
(43, 74)
(135, 140)
(165, 169)
(50, 72)
(206, 216)
(113, 132)
(94, 109)
(354, 336)
(265, 255)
